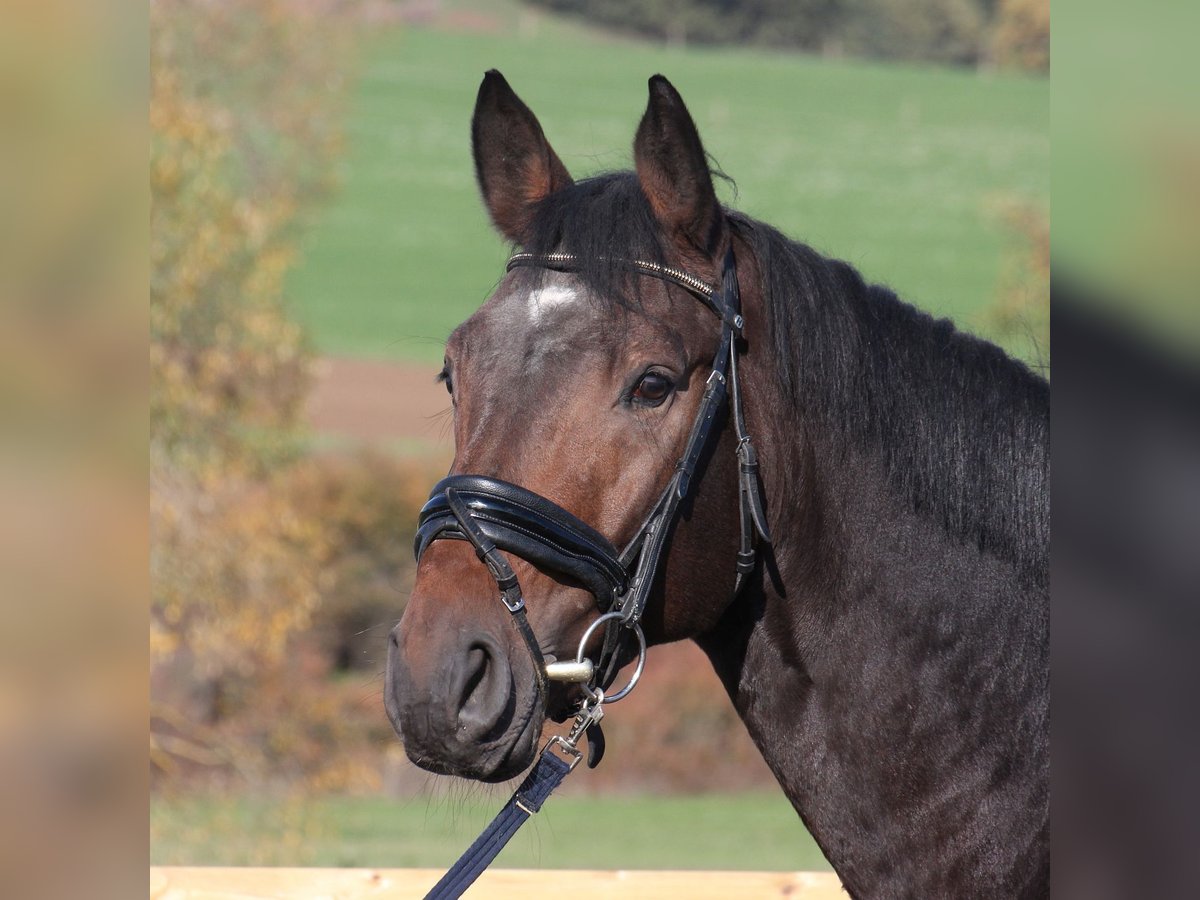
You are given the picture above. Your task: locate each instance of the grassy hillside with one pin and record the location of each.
(743, 831)
(896, 169)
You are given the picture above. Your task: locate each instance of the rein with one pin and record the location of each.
(494, 515)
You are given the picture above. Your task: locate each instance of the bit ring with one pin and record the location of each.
(641, 660)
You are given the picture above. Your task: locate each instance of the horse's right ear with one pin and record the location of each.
(514, 163)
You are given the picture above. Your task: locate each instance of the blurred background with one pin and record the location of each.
(315, 234)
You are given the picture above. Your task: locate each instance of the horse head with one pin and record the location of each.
(576, 389)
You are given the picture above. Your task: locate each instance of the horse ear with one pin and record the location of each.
(514, 163)
(673, 171)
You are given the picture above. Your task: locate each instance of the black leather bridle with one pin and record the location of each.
(494, 515)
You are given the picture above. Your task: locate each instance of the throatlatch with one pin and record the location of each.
(494, 515)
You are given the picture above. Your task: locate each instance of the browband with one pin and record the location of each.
(569, 262)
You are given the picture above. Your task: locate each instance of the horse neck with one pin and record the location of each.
(891, 673)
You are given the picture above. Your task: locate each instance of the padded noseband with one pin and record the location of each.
(528, 525)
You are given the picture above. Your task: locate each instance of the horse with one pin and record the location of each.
(887, 648)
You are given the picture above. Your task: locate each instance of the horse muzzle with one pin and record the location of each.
(461, 702)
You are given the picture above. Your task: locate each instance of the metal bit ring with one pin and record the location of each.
(641, 661)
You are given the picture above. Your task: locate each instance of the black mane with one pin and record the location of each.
(962, 428)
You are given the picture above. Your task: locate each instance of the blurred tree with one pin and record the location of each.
(244, 100)
(242, 111)
(368, 504)
(948, 31)
(228, 367)
(945, 31)
(804, 24)
(1021, 35)
(778, 23)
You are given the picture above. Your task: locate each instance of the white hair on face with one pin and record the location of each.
(549, 297)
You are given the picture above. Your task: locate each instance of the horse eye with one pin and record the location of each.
(653, 389)
(444, 378)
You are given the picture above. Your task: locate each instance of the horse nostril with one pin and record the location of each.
(477, 665)
(485, 692)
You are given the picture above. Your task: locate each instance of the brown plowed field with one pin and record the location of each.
(371, 402)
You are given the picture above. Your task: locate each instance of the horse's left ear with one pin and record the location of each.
(673, 172)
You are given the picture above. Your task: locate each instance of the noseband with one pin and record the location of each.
(494, 515)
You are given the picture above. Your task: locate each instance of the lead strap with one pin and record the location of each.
(548, 774)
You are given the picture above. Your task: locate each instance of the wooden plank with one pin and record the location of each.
(205, 883)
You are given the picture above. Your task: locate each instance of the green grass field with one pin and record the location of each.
(743, 831)
(896, 169)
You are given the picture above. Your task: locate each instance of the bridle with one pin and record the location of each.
(494, 515)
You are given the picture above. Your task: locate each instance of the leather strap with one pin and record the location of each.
(506, 580)
(751, 513)
(650, 542)
(548, 774)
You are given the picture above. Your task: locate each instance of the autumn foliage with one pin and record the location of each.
(227, 190)
(242, 115)
(1021, 35)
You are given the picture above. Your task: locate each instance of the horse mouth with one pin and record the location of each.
(518, 757)
(490, 761)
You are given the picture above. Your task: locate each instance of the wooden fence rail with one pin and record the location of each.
(214, 883)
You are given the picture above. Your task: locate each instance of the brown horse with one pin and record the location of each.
(888, 651)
